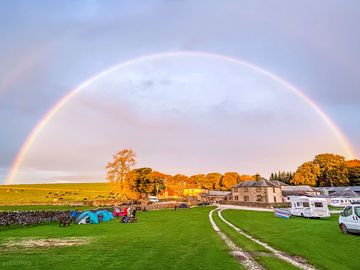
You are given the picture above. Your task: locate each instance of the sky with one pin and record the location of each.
(188, 112)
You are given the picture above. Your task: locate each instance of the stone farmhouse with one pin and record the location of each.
(259, 192)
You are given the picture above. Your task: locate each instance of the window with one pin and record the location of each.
(274, 198)
(357, 211)
(246, 198)
(246, 189)
(318, 204)
(306, 204)
(235, 190)
(347, 211)
(236, 198)
(298, 204)
(258, 198)
(273, 189)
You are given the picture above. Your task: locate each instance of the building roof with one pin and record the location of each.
(279, 183)
(345, 193)
(256, 183)
(300, 189)
(346, 188)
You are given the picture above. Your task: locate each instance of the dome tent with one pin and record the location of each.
(87, 217)
(106, 215)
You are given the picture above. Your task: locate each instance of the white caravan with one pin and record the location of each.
(342, 201)
(349, 219)
(303, 206)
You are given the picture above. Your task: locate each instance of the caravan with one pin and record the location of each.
(342, 201)
(303, 206)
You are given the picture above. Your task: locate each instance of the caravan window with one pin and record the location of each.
(305, 204)
(318, 204)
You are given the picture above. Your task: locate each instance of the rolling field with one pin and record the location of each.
(54, 193)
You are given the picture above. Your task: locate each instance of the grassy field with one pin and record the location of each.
(164, 239)
(54, 193)
(320, 241)
(261, 255)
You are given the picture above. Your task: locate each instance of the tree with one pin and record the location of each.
(198, 180)
(179, 183)
(333, 171)
(142, 183)
(306, 174)
(353, 167)
(229, 180)
(159, 179)
(118, 172)
(212, 181)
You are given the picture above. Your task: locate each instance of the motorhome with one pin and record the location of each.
(310, 207)
(342, 201)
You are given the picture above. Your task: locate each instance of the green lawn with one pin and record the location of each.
(320, 241)
(260, 254)
(164, 239)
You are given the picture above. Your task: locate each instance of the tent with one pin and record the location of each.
(183, 205)
(87, 217)
(106, 215)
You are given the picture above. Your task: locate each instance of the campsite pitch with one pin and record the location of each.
(166, 239)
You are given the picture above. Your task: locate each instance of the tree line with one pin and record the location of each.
(328, 170)
(324, 170)
(283, 176)
(140, 182)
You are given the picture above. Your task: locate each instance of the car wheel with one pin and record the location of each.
(343, 229)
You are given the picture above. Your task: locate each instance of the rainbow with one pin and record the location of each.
(61, 103)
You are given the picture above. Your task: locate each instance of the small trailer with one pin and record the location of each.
(310, 207)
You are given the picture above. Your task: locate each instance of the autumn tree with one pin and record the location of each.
(118, 172)
(212, 180)
(353, 168)
(306, 174)
(333, 171)
(159, 180)
(179, 183)
(229, 180)
(197, 180)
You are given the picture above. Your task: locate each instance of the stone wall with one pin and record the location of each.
(30, 217)
(256, 204)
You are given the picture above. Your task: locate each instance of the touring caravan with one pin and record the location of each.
(342, 201)
(303, 206)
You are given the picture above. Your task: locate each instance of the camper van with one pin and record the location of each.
(310, 207)
(349, 219)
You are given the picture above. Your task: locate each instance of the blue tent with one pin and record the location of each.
(90, 215)
(106, 215)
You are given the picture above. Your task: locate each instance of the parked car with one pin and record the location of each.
(349, 219)
(153, 199)
(309, 207)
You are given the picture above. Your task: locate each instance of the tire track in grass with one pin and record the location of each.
(243, 257)
(281, 255)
